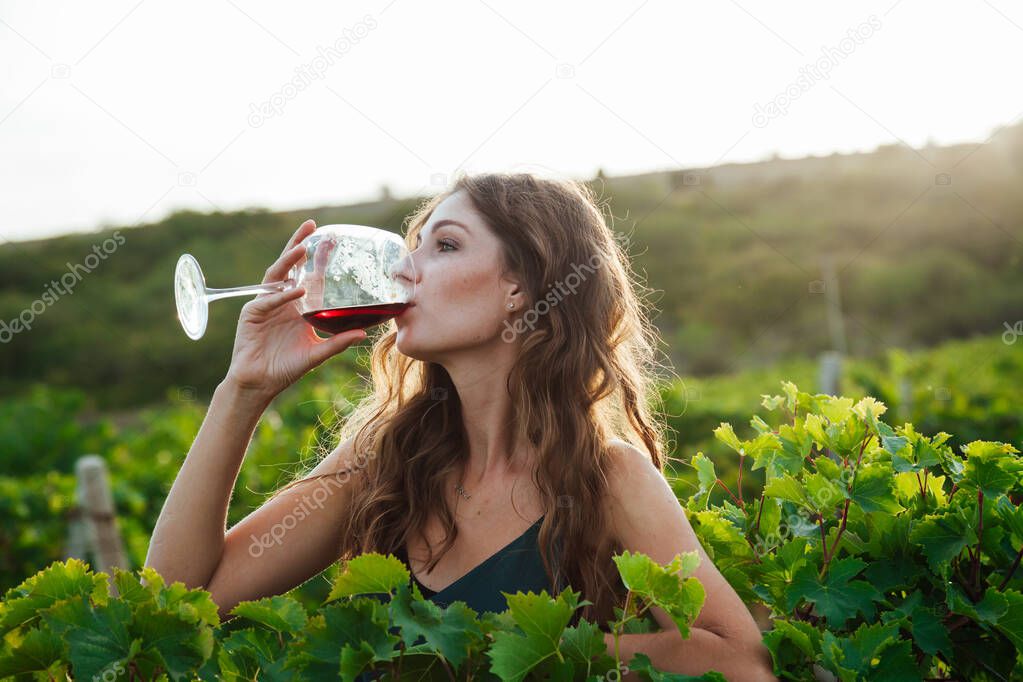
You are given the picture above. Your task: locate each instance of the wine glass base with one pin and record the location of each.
(190, 296)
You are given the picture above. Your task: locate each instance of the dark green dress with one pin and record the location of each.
(516, 567)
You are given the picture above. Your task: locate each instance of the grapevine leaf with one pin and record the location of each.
(668, 587)
(280, 613)
(59, 581)
(252, 653)
(874, 490)
(97, 636)
(452, 631)
(990, 467)
(179, 645)
(39, 650)
(345, 637)
(792, 644)
(858, 656)
(706, 477)
(839, 597)
(788, 488)
(542, 621)
(640, 663)
(1010, 623)
(584, 645)
(194, 605)
(943, 536)
(369, 573)
(726, 435)
(869, 409)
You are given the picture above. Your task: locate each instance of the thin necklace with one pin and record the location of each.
(461, 491)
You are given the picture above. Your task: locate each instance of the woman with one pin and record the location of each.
(488, 456)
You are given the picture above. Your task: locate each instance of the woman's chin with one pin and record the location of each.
(404, 343)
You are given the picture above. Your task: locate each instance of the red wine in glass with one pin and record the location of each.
(337, 320)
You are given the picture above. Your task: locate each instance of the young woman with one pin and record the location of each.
(506, 446)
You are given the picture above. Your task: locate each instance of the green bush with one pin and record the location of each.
(881, 552)
(64, 621)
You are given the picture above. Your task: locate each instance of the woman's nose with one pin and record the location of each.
(406, 271)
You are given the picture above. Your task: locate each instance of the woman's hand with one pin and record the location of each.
(274, 346)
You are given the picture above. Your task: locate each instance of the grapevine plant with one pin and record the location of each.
(64, 622)
(880, 552)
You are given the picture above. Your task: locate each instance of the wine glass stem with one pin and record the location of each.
(268, 288)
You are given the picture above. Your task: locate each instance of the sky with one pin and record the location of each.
(119, 113)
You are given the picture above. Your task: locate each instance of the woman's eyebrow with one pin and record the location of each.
(441, 223)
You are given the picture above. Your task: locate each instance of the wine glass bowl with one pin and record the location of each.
(354, 276)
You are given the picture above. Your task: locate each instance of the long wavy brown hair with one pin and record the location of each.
(584, 376)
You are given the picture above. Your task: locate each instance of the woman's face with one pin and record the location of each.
(460, 298)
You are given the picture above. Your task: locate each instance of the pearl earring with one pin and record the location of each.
(510, 306)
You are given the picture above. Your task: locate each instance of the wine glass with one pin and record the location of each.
(355, 276)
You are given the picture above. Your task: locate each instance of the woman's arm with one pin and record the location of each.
(273, 348)
(280, 545)
(647, 518)
(188, 539)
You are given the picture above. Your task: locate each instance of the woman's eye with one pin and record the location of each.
(447, 243)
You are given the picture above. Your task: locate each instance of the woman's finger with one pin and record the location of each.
(279, 270)
(303, 231)
(265, 303)
(335, 344)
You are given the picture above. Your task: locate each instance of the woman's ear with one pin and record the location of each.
(515, 297)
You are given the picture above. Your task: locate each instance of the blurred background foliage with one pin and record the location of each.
(926, 246)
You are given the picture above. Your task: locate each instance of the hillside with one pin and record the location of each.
(926, 246)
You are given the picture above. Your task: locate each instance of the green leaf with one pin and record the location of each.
(839, 597)
(793, 644)
(513, 656)
(1011, 517)
(542, 621)
(97, 636)
(706, 477)
(788, 488)
(943, 536)
(38, 651)
(837, 409)
(990, 467)
(893, 444)
(1010, 623)
(796, 445)
(726, 435)
(280, 613)
(860, 655)
(989, 610)
(668, 587)
(345, 638)
(369, 573)
(452, 631)
(540, 615)
(929, 632)
(177, 644)
(59, 581)
(193, 605)
(249, 654)
(584, 645)
(869, 409)
(640, 663)
(874, 490)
